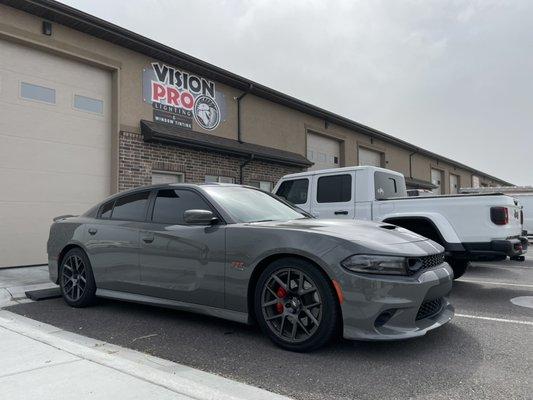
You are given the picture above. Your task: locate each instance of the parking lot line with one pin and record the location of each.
(502, 266)
(509, 321)
(495, 283)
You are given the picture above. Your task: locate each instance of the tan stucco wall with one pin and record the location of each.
(263, 122)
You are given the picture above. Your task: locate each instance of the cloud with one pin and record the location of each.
(453, 77)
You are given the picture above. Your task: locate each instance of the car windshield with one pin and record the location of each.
(251, 205)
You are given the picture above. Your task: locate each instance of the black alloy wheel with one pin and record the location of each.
(295, 305)
(76, 279)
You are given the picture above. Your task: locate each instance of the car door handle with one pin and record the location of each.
(148, 239)
(341, 212)
(93, 231)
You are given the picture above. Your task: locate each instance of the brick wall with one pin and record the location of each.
(137, 160)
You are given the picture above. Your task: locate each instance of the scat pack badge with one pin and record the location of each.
(238, 265)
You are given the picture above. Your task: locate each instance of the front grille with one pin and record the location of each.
(423, 263)
(429, 308)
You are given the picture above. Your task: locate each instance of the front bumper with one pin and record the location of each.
(497, 249)
(391, 308)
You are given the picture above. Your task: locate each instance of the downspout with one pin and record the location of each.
(239, 98)
(411, 163)
(244, 164)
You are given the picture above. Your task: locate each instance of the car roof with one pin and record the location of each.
(170, 186)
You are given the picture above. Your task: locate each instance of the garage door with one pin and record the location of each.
(322, 151)
(55, 135)
(436, 179)
(370, 157)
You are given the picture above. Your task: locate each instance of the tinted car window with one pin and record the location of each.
(170, 205)
(294, 191)
(388, 185)
(107, 208)
(131, 207)
(334, 189)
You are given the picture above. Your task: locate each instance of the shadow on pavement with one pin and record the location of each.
(345, 369)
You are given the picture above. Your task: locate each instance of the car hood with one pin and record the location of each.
(351, 230)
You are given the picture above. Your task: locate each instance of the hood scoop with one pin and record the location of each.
(389, 227)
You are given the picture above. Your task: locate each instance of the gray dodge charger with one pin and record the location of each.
(239, 253)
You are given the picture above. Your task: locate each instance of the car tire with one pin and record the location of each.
(299, 300)
(76, 279)
(459, 267)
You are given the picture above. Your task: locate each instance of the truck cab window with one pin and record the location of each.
(334, 189)
(388, 185)
(294, 191)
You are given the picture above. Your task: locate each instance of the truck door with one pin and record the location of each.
(334, 196)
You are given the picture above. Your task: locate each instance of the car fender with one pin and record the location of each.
(54, 260)
(440, 222)
(289, 251)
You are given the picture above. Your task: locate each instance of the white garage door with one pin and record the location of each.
(55, 146)
(322, 151)
(436, 179)
(370, 157)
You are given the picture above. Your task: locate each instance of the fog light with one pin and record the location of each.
(383, 318)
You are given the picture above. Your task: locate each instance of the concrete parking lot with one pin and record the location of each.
(486, 352)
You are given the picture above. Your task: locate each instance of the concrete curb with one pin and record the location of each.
(178, 378)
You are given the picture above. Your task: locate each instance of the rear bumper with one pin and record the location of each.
(496, 249)
(53, 269)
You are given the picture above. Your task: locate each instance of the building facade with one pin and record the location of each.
(89, 109)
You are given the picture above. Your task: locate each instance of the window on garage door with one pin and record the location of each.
(43, 94)
(88, 104)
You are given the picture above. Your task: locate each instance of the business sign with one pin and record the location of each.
(178, 97)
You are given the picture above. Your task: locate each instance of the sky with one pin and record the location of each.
(454, 77)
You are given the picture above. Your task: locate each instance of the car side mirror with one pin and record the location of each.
(199, 217)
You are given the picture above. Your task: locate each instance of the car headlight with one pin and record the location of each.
(376, 264)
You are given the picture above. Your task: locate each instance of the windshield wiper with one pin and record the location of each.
(261, 220)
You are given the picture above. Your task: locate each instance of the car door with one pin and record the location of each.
(113, 242)
(334, 195)
(179, 261)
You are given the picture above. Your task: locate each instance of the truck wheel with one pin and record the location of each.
(459, 267)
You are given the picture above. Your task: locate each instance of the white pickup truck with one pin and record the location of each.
(483, 227)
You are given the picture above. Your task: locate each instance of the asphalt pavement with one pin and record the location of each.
(486, 352)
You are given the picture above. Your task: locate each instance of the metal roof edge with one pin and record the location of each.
(81, 21)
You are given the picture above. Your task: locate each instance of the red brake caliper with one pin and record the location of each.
(281, 293)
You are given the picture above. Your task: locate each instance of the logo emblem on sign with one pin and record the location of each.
(179, 97)
(206, 112)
